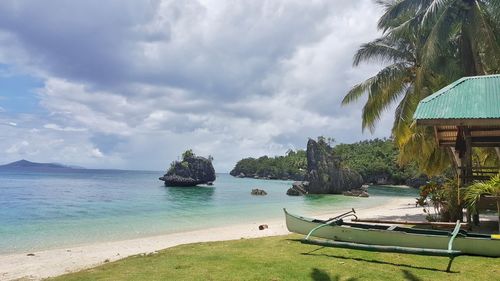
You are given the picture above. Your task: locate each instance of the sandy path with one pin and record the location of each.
(59, 261)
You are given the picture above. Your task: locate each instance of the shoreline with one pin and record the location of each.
(49, 263)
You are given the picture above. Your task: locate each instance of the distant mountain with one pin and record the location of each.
(28, 165)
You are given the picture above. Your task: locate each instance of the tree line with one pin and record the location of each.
(375, 160)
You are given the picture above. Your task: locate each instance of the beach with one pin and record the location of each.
(175, 140)
(43, 264)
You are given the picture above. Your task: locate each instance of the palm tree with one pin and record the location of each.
(391, 83)
(405, 81)
(474, 192)
(428, 44)
(469, 27)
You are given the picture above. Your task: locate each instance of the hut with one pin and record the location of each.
(464, 115)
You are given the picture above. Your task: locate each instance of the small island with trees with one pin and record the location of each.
(192, 170)
(375, 160)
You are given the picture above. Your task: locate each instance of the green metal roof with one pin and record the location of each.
(475, 97)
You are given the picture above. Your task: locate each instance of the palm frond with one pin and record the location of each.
(485, 43)
(474, 192)
(421, 147)
(385, 49)
(358, 90)
(394, 13)
(386, 89)
(493, 7)
(403, 116)
(440, 33)
(407, 28)
(434, 9)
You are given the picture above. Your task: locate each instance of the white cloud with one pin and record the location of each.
(64, 129)
(95, 152)
(18, 148)
(142, 81)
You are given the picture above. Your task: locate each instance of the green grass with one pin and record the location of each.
(283, 258)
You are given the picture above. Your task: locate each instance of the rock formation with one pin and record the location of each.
(325, 172)
(298, 188)
(361, 192)
(417, 182)
(191, 171)
(257, 191)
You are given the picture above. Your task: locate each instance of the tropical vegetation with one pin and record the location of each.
(375, 160)
(425, 45)
(292, 165)
(439, 199)
(184, 159)
(283, 258)
(479, 189)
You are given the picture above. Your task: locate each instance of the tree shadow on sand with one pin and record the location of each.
(321, 275)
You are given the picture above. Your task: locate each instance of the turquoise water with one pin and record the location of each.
(53, 210)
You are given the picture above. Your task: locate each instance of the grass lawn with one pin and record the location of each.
(283, 258)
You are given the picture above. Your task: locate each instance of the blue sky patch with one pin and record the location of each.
(17, 91)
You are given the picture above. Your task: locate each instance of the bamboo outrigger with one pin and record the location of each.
(431, 224)
(392, 238)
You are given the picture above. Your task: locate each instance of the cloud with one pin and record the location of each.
(95, 152)
(31, 141)
(64, 129)
(142, 81)
(18, 148)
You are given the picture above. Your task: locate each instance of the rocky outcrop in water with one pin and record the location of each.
(257, 191)
(192, 170)
(325, 172)
(298, 188)
(361, 192)
(417, 182)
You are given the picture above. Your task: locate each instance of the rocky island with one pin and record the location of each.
(26, 165)
(191, 171)
(326, 174)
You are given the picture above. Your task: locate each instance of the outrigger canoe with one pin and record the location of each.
(395, 237)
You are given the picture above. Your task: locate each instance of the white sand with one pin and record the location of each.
(59, 261)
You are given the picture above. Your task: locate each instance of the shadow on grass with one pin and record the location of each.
(321, 275)
(410, 276)
(406, 273)
(311, 253)
(377, 262)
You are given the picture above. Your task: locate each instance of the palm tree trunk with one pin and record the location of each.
(469, 59)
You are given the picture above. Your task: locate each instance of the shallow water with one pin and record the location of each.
(51, 210)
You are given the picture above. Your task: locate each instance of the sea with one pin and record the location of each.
(47, 210)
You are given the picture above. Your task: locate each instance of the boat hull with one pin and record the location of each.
(467, 245)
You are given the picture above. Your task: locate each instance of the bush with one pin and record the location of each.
(440, 201)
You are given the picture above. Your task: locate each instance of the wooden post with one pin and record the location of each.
(468, 156)
(455, 160)
(456, 163)
(460, 157)
(468, 166)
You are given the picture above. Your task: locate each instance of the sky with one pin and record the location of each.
(132, 84)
